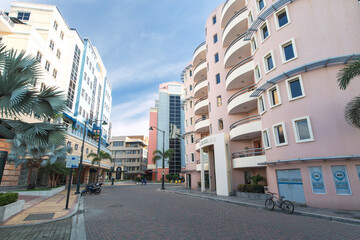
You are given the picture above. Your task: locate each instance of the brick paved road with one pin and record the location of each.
(141, 212)
(54, 231)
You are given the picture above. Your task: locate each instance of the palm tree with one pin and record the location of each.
(97, 158)
(352, 109)
(158, 154)
(19, 97)
(54, 171)
(33, 154)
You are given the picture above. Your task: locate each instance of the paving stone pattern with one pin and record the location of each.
(60, 230)
(142, 212)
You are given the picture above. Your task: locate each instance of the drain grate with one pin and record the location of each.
(42, 216)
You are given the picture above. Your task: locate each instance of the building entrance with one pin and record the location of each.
(290, 185)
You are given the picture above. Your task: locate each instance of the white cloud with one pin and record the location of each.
(146, 71)
(132, 117)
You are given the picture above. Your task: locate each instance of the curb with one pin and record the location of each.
(50, 221)
(300, 213)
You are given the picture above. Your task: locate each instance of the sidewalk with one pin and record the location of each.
(347, 216)
(43, 209)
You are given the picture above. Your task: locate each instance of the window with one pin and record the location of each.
(51, 45)
(221, 124)
(190, 73)
(82, 92)
(257, 73)
(253, 44)
(192, 157)
(215, 38)
(190, 88)
(68, 144)
(280, 134)
(87, 60)
(186, 158)
(217, 78)
(47, 66)
(303, 130)
(38, 56)
(317, 180)
(216, 57)
(281, 18)
(191, 121)
(295, 88)
(260, 5)
(62, 35)
(76, 146)
(209, 107)
(265, 33)
(190, 104)
(250, 18)
(191, 138)
(274, 96)
(23, 16)
(58, 54)
(261, 103)
(54, 73)
(269, 62)
(266, 139)
(219, 103)
(87, 150)
(55, 25)
(288, 51)
(214, 19)
(341, 180)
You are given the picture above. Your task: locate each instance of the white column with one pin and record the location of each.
(202, 170)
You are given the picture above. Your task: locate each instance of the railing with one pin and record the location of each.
(224, 5)
(245, 120)
(242, 62)
(249, 153)
(201, 119)
(235, 41)
(198, 140)
(200, 45)
(242, 91)
(6, 17)
(199, 64)
(233, 17)
(200, 81)
(200, 100)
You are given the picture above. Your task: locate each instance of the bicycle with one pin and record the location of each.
(285, 205)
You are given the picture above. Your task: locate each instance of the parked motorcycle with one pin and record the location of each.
(90, 188)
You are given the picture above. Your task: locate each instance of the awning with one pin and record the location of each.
(69, 117)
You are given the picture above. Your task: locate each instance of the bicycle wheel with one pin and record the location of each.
(287, 207)
(269, 204)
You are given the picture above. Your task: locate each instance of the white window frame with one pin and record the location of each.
(253, 39)
(192, 140)
(267, 131)
(187, 158)
(296, 132)
(262, 96)
(271, 53)
(261, 31)
(282, 51)
(288, 81)
(192, 158)
(277, 144)
(257, 7)
(191, 121)
(284, 9)
(270, 98)
(252, 16)
(257, 79)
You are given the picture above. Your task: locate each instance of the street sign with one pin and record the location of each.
(72, 161)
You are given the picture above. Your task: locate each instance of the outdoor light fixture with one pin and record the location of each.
(163, 160)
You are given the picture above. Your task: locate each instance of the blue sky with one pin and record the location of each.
(142, 43)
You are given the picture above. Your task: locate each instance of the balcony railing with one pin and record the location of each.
(200, 100)
(200, 45)
(200, 81)
(224, 5)
(245, 120)
(7, 18)
(233, 17)
(242, 62)
(199, 64)
(249, 153)
(235, 41)
(201, 119)
(242, 91)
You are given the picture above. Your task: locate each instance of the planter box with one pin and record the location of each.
(254, 196)
(11, 209)
(49, 193)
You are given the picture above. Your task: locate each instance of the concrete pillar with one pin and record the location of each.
(86, 174)
(103, 175)
(202, 178)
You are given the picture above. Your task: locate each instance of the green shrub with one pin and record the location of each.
(7, 198)
(168, 177)
(175, 176)
(199, 184)
(138, 179)
(253, 188)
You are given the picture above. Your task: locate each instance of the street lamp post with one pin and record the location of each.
(163, 160)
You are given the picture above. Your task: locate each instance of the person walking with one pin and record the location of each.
(145, 181)
(142, 181)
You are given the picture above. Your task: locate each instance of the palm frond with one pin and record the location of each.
(347, 73)
(352, 112)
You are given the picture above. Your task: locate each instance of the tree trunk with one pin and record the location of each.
(49, 182)
(33, 178)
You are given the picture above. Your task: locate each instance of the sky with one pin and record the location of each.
(142, 43)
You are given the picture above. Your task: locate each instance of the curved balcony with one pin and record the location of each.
(235, 26)
(246, 128)
(198, 166)
(229, 9)
(248, 158)
(6, 25)
(200, 70)
(236, 50)
(200, 88)
(202, 125)
(241, 101)
(201, 106)
(199, 53)
(197, 143)
(241, 75)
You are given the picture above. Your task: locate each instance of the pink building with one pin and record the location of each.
(261, 97)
